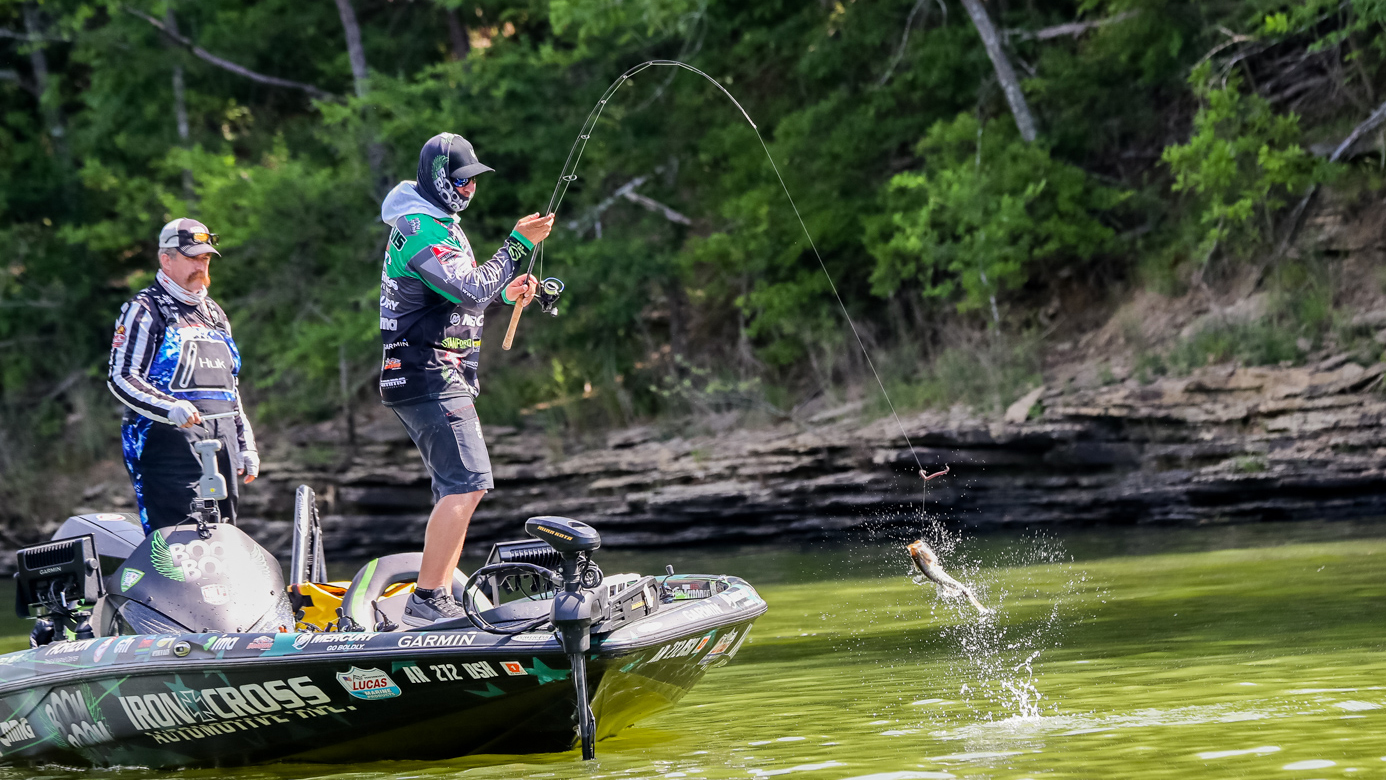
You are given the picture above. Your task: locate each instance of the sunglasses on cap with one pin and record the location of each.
(188, 238)
(461, 182)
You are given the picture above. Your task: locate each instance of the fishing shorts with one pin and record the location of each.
(164, 468)
(448, 435)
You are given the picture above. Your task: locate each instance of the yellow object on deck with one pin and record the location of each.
(317, 603)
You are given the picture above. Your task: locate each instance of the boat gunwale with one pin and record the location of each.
(601, 649)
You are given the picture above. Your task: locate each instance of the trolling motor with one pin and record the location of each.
(573, 607)
(211, 488)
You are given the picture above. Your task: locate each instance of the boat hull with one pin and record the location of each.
(229, 699)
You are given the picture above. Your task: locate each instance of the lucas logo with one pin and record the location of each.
(368, 684)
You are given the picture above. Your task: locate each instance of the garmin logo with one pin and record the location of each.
(50, 570)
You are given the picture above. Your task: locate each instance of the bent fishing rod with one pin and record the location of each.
(569, 175)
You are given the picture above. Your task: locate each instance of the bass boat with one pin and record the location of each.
(186, 647)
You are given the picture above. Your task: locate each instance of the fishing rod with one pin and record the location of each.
(569, 175)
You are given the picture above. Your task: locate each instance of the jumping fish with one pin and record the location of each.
(926, 562)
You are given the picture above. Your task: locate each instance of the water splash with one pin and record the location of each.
(996, 657)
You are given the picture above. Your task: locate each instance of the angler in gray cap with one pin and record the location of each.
(174, 365)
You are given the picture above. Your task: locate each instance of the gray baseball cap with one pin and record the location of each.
(189, 236)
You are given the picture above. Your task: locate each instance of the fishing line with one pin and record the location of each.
(569, 175)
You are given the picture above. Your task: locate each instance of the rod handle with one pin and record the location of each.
(514, 324)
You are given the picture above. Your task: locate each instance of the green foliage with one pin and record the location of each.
(1258, 343)
(1241, 163)
(658, 316)
(594, 19)
(1300, 314)
(988, 213)
(1281, 20)
(985, 376)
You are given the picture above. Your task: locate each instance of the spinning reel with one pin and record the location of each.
(549, 290)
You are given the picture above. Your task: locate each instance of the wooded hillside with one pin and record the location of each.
(981, 180)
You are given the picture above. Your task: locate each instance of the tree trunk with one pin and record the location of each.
(375, 151)
(457, 35)
(1004, 72)
(355, 52)
(48, 98)
(180, 109)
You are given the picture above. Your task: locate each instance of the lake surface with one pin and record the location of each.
(1236, 652)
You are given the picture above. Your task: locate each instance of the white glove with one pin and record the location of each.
(181, 413)
(250, 463)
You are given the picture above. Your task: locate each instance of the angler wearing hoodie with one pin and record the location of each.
(433, 299)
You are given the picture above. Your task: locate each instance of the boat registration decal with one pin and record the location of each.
(128, 578)
(368, 684)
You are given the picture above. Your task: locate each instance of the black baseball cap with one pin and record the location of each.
(452, 154)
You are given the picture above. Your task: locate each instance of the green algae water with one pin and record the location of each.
(1231, 652)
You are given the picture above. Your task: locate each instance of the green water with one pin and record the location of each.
(1245, 652)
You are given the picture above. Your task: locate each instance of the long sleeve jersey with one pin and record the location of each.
(165, 351)
(433, 299)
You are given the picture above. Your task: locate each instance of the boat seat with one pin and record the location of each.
(366, 600)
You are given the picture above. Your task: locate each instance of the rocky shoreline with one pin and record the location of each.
(1225, 444)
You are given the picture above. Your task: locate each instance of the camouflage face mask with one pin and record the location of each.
(442, 184)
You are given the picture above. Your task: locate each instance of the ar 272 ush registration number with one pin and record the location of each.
(479, 670)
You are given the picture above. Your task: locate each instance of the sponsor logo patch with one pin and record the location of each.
(531, 638)
(368, 684)
(393, 382)
(194, 713)
(13, 732)
(129, 578)
(222, 644)
(101, 650)
(512, 668)
(260, 643)
(215, 595)
(390, 364)
(723, 643)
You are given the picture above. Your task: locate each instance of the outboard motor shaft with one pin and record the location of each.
(574, 608)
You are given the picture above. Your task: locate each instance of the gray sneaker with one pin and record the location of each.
(421, 612)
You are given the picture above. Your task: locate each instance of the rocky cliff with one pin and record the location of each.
(1224, 444)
